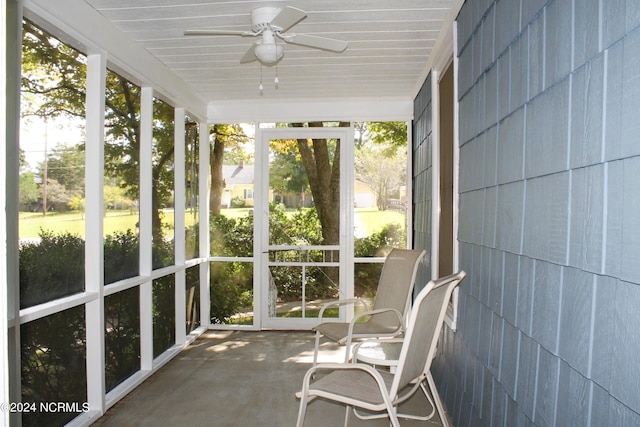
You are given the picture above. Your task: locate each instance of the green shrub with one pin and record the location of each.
(121, 256)
(380, 244)
(237, 202)
(231, 289)
(122, 336)
(231, 237)
(53, 365)
(376, 245)
(164, 314)
(51, 268)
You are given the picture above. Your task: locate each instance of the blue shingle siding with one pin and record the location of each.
(549, 214)
(422, 176)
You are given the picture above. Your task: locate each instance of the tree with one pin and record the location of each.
(286, 171)
(192, 164)
(58, 197)
(77, 203)
(225, 137)
(115, 198)
(162, 182)
(29, 191)
(53, 76)
(379, 160)
(54, 84)
(383, 171)
(321, 160)
(391, 134)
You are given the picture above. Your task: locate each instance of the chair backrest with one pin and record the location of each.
(395, 286)
(423, 330)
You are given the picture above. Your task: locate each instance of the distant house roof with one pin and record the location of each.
(360, 186)
(238, 174)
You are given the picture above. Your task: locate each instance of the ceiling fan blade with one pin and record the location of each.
(250, 56)
(218, 33)
(315, 41)
(288, 17)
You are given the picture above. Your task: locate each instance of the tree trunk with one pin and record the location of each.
(156, 220)
(217, 181)
(324, 181)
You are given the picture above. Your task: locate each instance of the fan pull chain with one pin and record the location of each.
(261, 87)
(276, 80)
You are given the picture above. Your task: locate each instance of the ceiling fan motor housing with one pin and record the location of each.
(262, 17)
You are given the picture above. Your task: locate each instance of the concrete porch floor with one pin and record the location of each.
(240, 378)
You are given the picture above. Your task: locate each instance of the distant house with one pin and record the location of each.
(364, 196)
(239, 180)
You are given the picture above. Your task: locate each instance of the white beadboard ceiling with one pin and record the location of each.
(390, 42)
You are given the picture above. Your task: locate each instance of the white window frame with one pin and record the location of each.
(445, 56)
(92, 298)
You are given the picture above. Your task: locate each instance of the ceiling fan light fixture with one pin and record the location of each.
(269, 53)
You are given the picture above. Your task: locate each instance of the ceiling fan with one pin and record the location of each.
(271, 23)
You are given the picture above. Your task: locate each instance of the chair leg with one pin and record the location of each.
(347, 350)
(347, 353)
(346, 415)
(316, 348)
(393, 418)
(438, 401)
(302, 411)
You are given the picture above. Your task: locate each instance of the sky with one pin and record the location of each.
(36, 135)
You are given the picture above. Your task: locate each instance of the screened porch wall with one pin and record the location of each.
(87, 316)
(549, 208)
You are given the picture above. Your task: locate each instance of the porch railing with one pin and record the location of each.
(304, 257)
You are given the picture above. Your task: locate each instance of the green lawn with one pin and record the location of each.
(333, 313)
(371, 220)
(73, 222)
(367, 221)
(30, 223)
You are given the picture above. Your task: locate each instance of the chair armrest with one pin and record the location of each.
(371, 357)
(311, 373)
(378, 340)
(376, 311)
(339, 303)
(350, 334)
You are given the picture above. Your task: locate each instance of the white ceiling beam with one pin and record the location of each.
(299, 110)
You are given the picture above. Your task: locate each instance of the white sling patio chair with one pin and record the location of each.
(359, 385)
(392, 302)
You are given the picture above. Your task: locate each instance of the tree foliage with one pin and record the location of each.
(383, 169)
(393, 135)
(286, 171)
(122, 124)
(58, 197)
(77, 203)
(29, 190)
(53, 76)
(54, 84)
(381, 160)
(116, 198)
